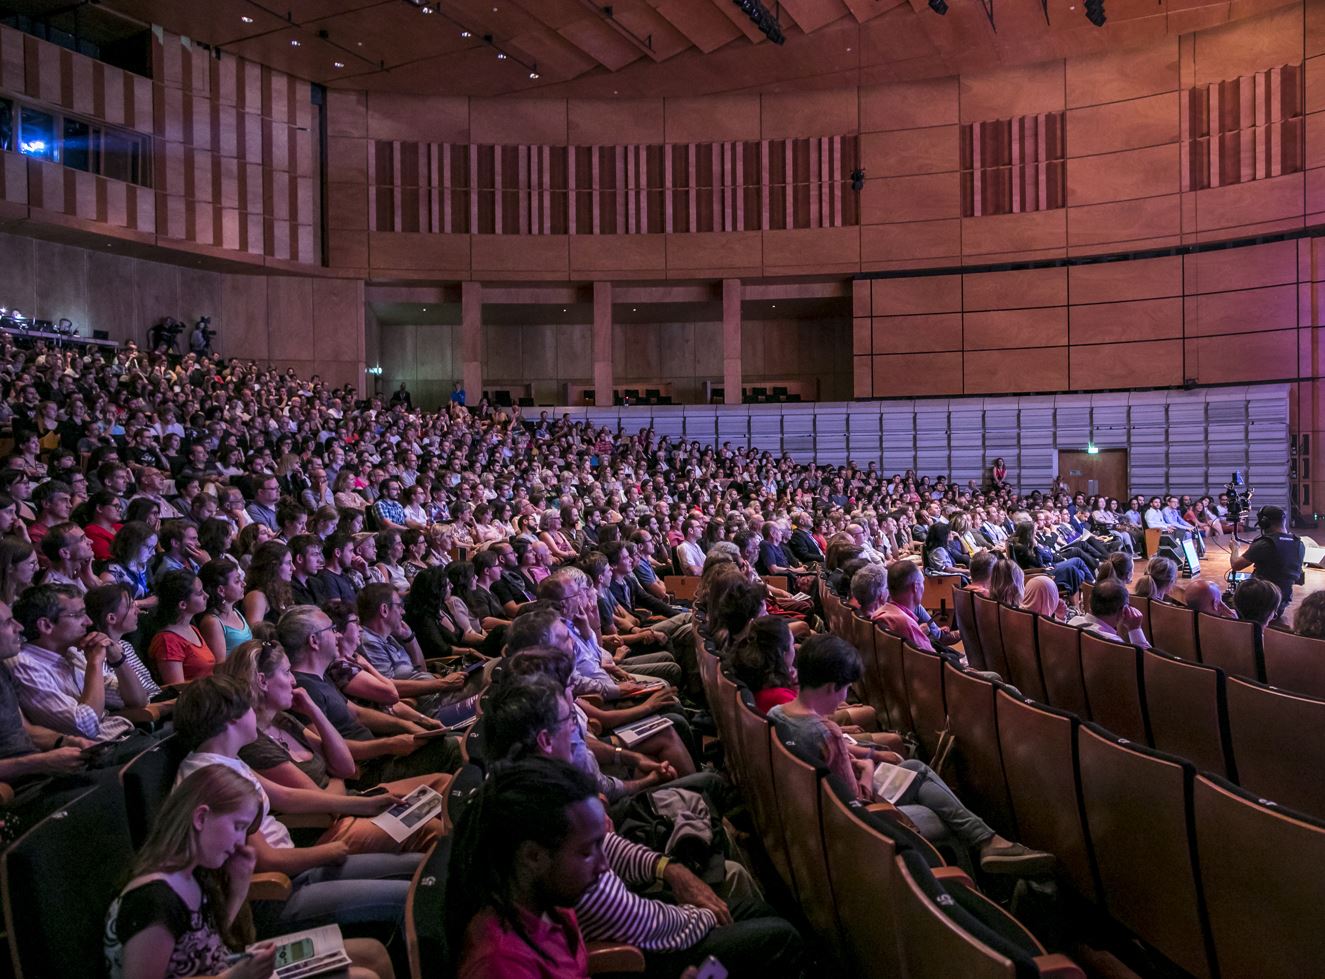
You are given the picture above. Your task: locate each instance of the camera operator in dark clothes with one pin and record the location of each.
(1276, 555)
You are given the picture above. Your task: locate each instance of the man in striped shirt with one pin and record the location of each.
(531, 715)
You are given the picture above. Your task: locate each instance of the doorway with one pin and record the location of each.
(1095, 473)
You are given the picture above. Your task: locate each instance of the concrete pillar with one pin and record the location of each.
(471, 339)
(602, 343)
(731, 341)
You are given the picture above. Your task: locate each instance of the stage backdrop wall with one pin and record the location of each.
(1177, 441)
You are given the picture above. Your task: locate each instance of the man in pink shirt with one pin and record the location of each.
(906, 587)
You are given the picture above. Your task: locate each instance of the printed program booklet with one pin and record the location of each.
(310, 953)
(404, 818)
(890, 781)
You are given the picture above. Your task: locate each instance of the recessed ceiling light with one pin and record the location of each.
(534, 74)
(246, 19)
(466, 34)
(295, 43)
(634, 309)
(425, 9)
(501, 55)
(425, 309)
(338, 64)
(563, 310)
(775, 305)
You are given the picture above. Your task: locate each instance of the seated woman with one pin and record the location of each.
(223, 625)
(313, 757)
(1309, 622)
(827, 666)
(213, 718)
(179, 914)
(429, 615)
(1118, 566)
(268, 583)
(1069, 573)
(765, 661)
(357, 678)
(1006, 581)
(938, 552)
(177, 647)
(1041, 597)
(1158, 581)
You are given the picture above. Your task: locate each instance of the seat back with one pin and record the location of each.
(796, 784)
(1086, 589)
(934, 945)
(991, 634)
(682, 587)
(1040, 762)
(725, 709)
(1185, 708)
(1295, 663)
(923, 672)
(963, 603)
(756, 752)
(976, 761)
(1173, 630)
(1277, 749)
(863, 877)
(938, 592)
(425, 916)
(59, 878)
(1111, 672)
(1147, 877)
(1260, 867)
(888, 655)
(871, 680)
(1142, 604)
(1060, 665)
(1020, 647)
(147, 779)
(1230, 644)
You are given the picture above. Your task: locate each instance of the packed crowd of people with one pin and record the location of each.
(317, 595)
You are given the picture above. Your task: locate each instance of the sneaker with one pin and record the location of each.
(1017, 859)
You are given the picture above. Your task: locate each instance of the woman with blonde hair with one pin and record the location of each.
(183, 911)
(1159, 579)
(313, 756)
(1007, 582)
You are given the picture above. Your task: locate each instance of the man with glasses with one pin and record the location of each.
(392, 650)
(384, 747)
(63, 668)
(54, 504)
(263, 508)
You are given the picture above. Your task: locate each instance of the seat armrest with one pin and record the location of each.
(607, 957)
(269, 887)
(1058, 966)
(6, 794)
(305, 820)
(955, 875)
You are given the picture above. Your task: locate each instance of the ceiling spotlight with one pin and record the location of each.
(295, 42)
(501, 55)
(1095, 12)
(246, 19)
(939, 7)
(858, 180)
(466, 35)
(338, 64)
(764, 20)
(534, 75)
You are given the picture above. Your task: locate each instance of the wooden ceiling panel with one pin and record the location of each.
(697, 46)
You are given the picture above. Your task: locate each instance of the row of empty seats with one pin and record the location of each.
(1210, 875)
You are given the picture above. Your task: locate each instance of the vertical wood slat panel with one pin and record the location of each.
(1242, 129)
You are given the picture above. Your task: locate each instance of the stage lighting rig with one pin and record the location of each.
(764, 20)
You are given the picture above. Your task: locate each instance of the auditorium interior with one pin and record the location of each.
(856, 455)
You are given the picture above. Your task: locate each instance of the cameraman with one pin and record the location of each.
(1275, 556)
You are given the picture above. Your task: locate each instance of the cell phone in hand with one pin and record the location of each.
(711, 968)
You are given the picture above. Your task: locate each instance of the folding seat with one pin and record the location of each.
(756, 755)
(1185, 707)
(963, 603)
(1294, 663)
(796, 785)
(975, 766)
(1086, 589)
(871, 682)
(888, 655)
(59, 878)
(1040, 763)
(1111, 672)
(939, 589)
(725, 714)
(1173, 630)
(1230, 644)
(1020, 648)
(1260, 871)
(991, 634)
(923, 672)
(1060, 665)
(1276, 741)
(147, 779)
(949, 929)
(1142, 604)
(1137, 802)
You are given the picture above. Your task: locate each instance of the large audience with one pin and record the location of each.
(316, 595)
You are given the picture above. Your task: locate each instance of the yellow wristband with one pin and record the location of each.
(661, 868)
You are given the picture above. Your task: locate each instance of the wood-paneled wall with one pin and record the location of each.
(233, 152)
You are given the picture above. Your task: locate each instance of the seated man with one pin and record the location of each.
(1111, 616)
(333, 582)
(68, 553)
(306, 557)
(1258, 600)
(62, 669)
(827, 667)
(689, 556)
(528, 716)
(310, 639)
(1204, 595)
(393, 651)
(1172, 514)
